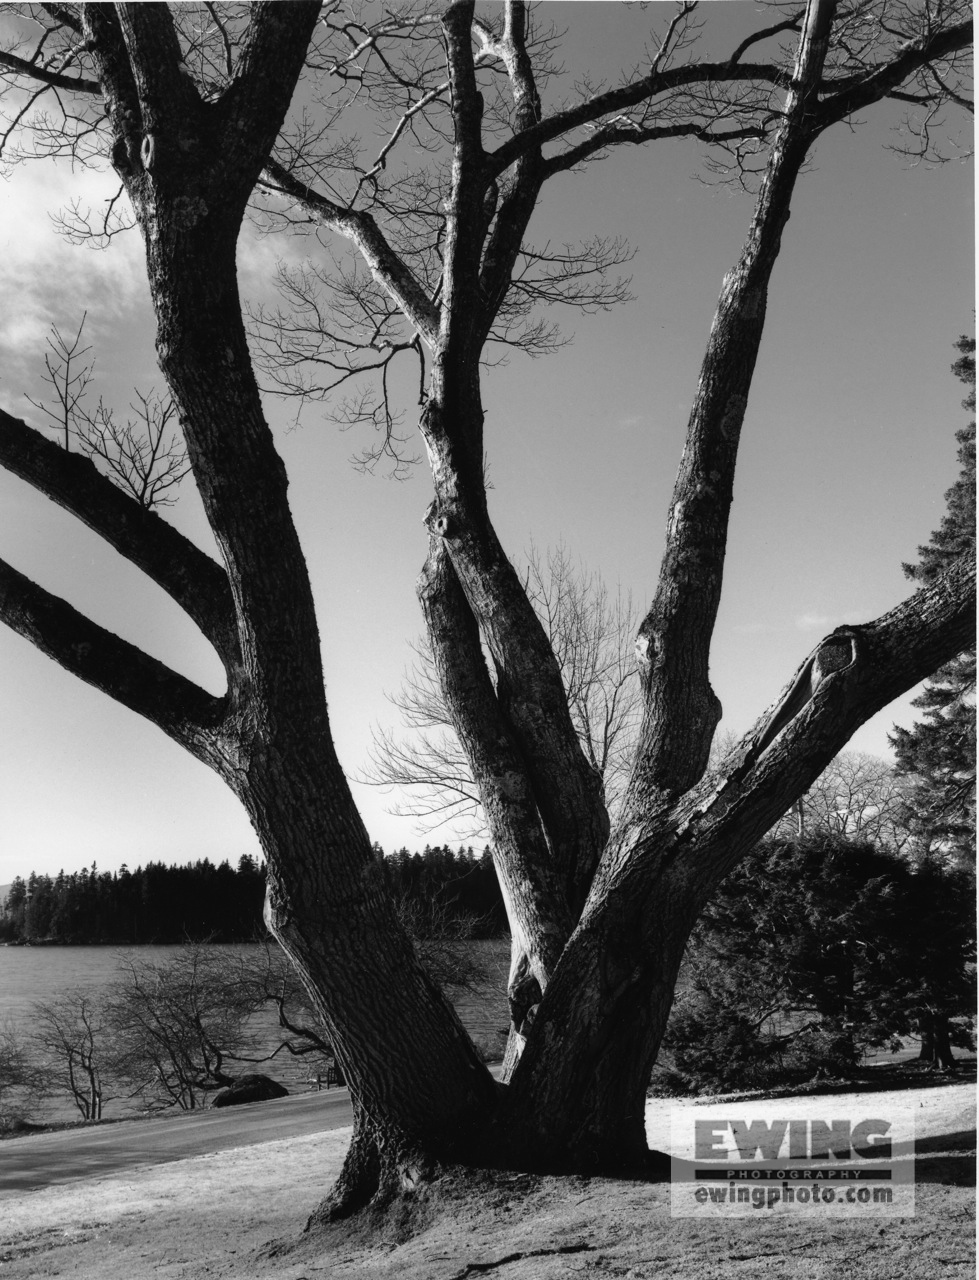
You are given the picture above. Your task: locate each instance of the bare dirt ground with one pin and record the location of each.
(239, 1215)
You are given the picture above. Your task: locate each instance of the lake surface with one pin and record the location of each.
(33, 974)
(30, 975)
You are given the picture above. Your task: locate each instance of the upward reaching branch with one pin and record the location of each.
(540, 914)
(682, 710)
(515, 196)
(565, 788)
(385, 265)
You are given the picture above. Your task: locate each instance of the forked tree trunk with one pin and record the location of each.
(578, 1095)
(578, 1091)
(586, 1109)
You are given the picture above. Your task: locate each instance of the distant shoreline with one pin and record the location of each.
(149, 942)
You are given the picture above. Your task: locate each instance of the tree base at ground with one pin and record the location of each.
(447, 1193)
(386, 1186)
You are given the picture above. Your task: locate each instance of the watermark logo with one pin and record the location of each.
(740, 1159)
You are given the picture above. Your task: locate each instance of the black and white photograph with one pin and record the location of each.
(487, 674)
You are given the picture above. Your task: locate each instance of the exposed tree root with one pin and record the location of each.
(359, 1179)
(385, 1203)
(390, 1185)
(388, 1191)
(377, 1177)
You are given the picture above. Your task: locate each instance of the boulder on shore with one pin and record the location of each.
(249, 1089)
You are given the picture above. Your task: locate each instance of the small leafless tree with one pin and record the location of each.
(592, 631)
(68, 371)
(21, 1082)
(264, 976)
(859, 797)
(71, 1038)
(444, 943)
(144, 454)
(177, 1024)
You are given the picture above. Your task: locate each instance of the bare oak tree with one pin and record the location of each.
(179, 1026)
(70, 1036)
(21, 1083)
(859, 797)
(592, 632)
(192, 107)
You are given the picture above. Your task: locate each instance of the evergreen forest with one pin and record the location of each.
(439, 890)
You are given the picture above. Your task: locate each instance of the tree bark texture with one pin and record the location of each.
(273, 746)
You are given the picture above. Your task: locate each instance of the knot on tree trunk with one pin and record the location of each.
(836, 653)
(438, 522)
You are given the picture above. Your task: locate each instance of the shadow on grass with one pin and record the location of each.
(875, 1079)
(948, 1159)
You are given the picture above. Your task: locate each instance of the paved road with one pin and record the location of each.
(48, 1159)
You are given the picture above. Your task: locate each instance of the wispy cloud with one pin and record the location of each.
(814, 622)
(259, 257)
(827, 621)
(44, 280)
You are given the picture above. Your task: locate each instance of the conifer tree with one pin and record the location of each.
(940, 750)
(814, 952)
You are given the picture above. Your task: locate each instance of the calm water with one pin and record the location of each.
(36, 974)
(29, 974)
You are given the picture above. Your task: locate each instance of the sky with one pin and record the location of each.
(847, 451)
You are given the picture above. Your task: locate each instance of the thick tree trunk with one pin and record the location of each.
(528, 692)
(578, 1095)
(327, 901)
(578, 1088)
(936, 1046)
(535, 891)
(586, 1109)
(376, 1169)
(329, 906)
(943, 1046)
(927, 1053)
